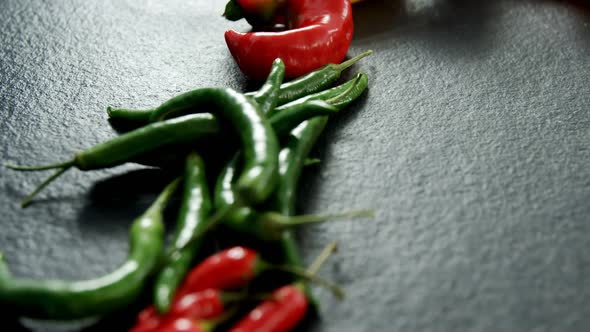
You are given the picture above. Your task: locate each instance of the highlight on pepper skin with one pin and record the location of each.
(319, 33)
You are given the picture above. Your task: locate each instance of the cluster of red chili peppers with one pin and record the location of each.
(311, 33)
(203, 300)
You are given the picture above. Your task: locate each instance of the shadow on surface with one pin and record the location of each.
(117, 201)
(582, 8)
(460, 26)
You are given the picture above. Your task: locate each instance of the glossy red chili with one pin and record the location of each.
(319, 32)
(148, 320)
(227, 269)
(279, 314)
(183, 324)
(206, 304)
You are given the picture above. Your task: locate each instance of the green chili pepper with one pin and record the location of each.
(265, 226)
(259, 142)
(140, 143)
(359, 82)
(291, 160)
(124, 148)
(267, 95)
(269, 226)
(290, 118)
(315, 81)
(311, 83)
(139, 116)
(192, 218)
(57, 299)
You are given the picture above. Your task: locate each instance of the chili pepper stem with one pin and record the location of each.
(331, 248)
(293, 221)
(27, 200)
(65, 164)
(210, 325)
(353, 60)
(4, 272)
(303, 274)
(310, 273)
(311, 161)
(229, 297)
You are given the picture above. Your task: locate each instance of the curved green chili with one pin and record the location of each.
(317, 80)
(57, 299)
(267, 226)
(127, 147)
(313, 82)
(132, 146)
(264, 226)
(290, 118)
(192, 218)
(341, 90)
(259, 142)
(136, 116)
(267, 95)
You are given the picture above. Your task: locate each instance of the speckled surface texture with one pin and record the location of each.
(472, 145)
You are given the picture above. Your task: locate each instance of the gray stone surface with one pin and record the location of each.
(472, 146)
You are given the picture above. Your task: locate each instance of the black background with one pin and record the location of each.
(471, 144)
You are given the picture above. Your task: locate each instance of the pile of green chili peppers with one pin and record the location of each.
(275, 127)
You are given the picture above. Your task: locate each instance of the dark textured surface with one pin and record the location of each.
(472, 145)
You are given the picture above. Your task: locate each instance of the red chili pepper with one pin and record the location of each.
(183, 324)
(319, 33)
(230, 268)
(205, 304)
(227, 269)
(147, 320)
(279, 314)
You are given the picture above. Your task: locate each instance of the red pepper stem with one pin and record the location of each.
(294, 221)
(352, 61)
(231, 297)
(27, 200)
(303, 274)
(211, 324)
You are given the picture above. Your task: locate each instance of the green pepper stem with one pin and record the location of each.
(352, 61)
(328, 250)
(311, 161)
(27, 200)
(335, 289)
(4, 271)
(209, 325)
(231, 297)
(65, 164)
(293, 221)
